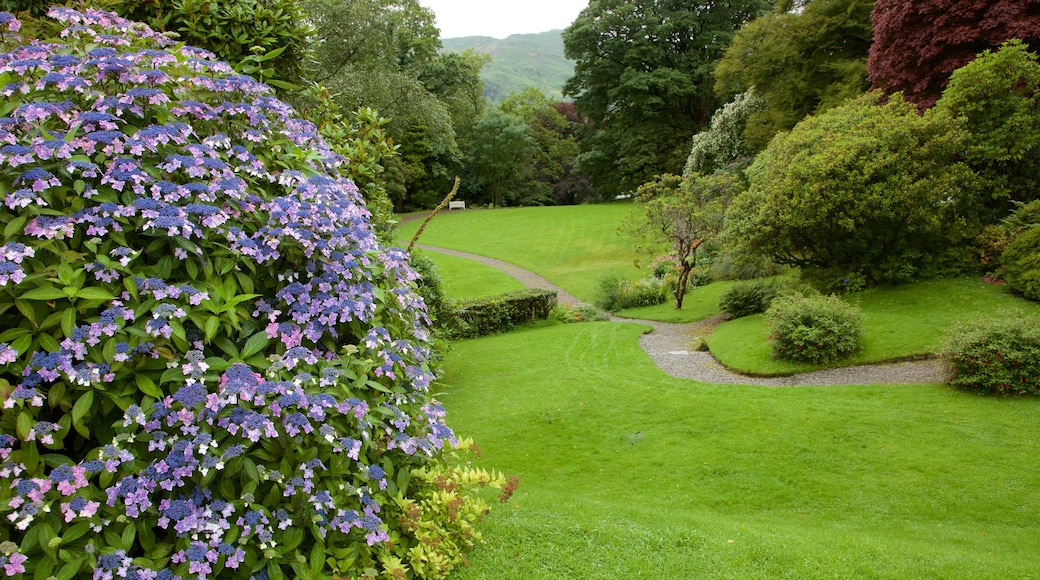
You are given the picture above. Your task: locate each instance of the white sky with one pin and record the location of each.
(500, 18)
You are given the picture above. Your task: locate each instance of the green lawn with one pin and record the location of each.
(628, 473)
(572, 246)
(899, 322)
(464, 278)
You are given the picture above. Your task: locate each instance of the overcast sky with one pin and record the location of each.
(500, 18)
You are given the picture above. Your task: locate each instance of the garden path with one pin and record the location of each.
(671, 347)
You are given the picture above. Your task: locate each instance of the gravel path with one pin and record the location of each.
(670, 347)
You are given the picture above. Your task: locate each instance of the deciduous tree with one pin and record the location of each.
(919, 43)
(642, 77)
(800, 60)
(678, 215)
(862, 190)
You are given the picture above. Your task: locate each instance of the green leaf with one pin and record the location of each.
(94, 293)
(274, 571)
(129, 534)
(44, 568)
(68, 321)
(23, 425)
(14, 227)
(69, 571)
(317, 558)
(44, 293)
(48, 343)
(255, 344)
(27, 310)
(80, 410)
(147, 386)
(212, 327)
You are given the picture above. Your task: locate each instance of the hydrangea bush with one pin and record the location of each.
(209, 365)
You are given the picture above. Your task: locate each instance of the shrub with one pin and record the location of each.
(866, 187)
(999, 355)
(814, 328)
(1021, 260)
(617, 294)
(500, 313)
(748, 298)
(209, 364)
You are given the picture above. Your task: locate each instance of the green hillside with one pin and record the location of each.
(519, 61)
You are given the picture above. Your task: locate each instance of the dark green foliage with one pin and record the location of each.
(1021, 260)
(499, 155)
(266, 39)
(616, 294)
(866, 188)
(494, 314)
(642, 77)
(814, 328)
(799, 62)
(997, 95)
(748, 298)
(999, 355)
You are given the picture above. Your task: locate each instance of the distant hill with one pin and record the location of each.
(520, 61)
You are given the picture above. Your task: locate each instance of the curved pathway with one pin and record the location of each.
(669, 345)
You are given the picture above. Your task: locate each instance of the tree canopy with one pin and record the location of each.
(918, 44)
(800, 60)
(642, 77)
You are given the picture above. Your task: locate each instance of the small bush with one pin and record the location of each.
(581, 313)
(814, 328)
(1021, 259)
(617, 294)
(999, 356)
(748, 298)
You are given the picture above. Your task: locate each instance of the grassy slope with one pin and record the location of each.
(519, 61)
(573, 246)
(899, 322)
(627, 473)
(463, 278)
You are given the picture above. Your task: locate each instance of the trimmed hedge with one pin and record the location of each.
(499, 313)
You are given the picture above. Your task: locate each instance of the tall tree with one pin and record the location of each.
(919, 43)
(498, 154)
(642, 77)
(801, 59)
(553, 136)
(371, 53)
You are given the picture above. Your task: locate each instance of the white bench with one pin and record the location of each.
(456, 205)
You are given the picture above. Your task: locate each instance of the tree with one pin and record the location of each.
(642, 78)
(372, 53)
(919, 43)
(500, 149)
(553, 136)
(997, 96)
(680, 214)
(865, 191)
(800, 60)
(723, 142)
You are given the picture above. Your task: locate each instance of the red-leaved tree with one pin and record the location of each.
(918, 43)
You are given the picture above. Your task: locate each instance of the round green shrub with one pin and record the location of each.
(814, 328)
(748, 298)
(209, 364)
(998, 356)
(617, 294)
(1021, 260)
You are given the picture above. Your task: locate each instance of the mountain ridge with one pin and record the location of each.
(519, 61)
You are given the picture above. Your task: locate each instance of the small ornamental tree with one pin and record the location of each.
(677, 215)
(919, 43)
(209, 365)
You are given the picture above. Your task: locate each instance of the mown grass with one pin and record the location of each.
(628, 473)
(464, 278)
(572, 246)
(899, 322)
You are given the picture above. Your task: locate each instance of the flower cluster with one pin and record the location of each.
(233, 365)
